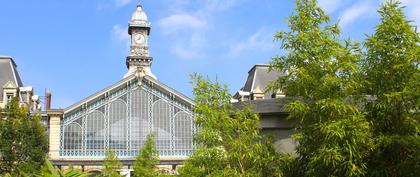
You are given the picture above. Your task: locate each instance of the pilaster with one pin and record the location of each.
(55, 117)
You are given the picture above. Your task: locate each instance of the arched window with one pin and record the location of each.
(161, 126)
(182, 133)
(73, 138)
(95, 133)
(118, 126)
(122, 119)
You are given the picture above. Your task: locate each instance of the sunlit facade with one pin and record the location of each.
(121, 118)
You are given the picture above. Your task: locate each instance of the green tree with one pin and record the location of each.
(112, 164)
(229, 142)
(144, 166)
(334, 136)
(50, 171)
(23, 140)
(391, 67)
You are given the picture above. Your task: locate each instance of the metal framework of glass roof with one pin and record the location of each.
(121, 118)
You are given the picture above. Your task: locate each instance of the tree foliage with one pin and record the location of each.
(392, 77)
(111, 164)
(334, 136)
(229, 142)
(144, 166)
(23, 140)
(50, 171)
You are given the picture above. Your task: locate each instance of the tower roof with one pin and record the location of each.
(258, 78)
(139, 18)
(8, 73)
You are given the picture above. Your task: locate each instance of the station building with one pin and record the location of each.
(120, 116)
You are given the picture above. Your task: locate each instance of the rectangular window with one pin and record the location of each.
(9, 97)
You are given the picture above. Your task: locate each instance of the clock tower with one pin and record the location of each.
(139, 60)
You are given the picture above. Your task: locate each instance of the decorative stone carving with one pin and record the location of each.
(139, 51)
(139, 29)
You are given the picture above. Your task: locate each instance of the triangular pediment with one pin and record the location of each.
(141, 81)
(9, 85)
(122, 115)
(164, 88)
(257, 90)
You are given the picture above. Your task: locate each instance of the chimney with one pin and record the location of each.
(47, 99)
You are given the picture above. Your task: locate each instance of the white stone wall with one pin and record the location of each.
(54, 137)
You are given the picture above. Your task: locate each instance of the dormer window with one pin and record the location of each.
(257, 94)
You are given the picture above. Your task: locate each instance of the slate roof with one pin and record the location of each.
(265, 106)
(8, 72)
(258, 77)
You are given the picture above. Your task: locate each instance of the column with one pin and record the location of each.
(55, 117)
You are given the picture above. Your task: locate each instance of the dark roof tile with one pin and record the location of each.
(259, 77)
(8, 72)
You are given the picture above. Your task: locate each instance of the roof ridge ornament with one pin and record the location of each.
(139, 18)
(140, 72)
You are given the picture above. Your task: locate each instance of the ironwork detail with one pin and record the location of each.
(121, 119)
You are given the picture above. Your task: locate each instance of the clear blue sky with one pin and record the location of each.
(78, 47)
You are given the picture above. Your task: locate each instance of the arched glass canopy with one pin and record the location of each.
(120, 119)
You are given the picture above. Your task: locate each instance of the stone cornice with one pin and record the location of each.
(138, 61)
(55, 112)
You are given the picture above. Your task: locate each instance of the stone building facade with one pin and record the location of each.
(120, 116)
(269, 105)
(11, 86)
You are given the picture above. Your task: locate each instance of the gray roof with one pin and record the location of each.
(265, 106)
(8, 72)
(259, 77)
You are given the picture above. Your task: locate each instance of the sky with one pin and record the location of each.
(76, 48)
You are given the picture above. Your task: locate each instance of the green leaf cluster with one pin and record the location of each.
(111, 164)
(334, 136)
(357, 107)
(144, 166)
(228, 142)
(23, 140)
(392, 78)
(50, 171)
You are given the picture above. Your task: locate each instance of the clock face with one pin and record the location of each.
(139, 39)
